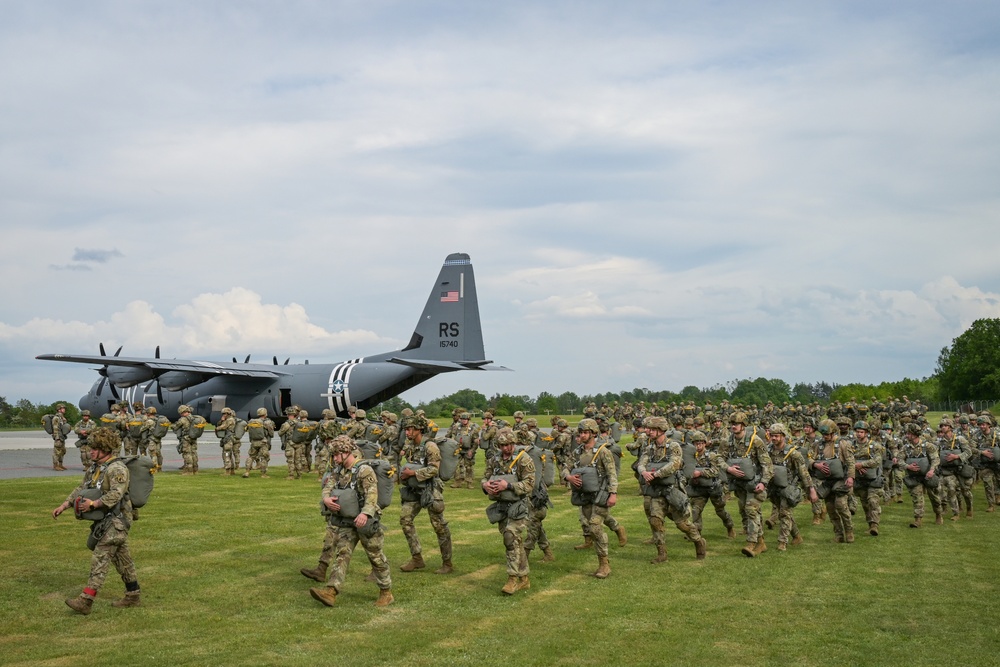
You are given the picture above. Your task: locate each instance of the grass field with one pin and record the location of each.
(219, 560)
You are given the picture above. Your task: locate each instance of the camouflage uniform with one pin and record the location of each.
(83, 429)
(327, 429)
(868, 456)
(388, 440)
(914, 449)
(133, 429)
(832, 490)
(261, 430)
(427, 455)
(592, 515)
(515, 513)
(299, 440)
(225, 430)
(59, 440)
(187, 444)
(711, 467)
(749, 445)
(987, 440)
(464, 432)
(671, 501)
(154, 428)
(953, 483)
(785, 499)
(111, 476)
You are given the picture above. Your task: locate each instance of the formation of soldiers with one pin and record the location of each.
(847, 462)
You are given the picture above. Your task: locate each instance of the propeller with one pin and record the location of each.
(159, 392)
(103, 371)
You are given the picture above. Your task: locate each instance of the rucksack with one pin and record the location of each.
(241, 428)
(161, 427)
(140, 479)
(303, 432)
(450, 453)
(47, 423)
(385, 472)
(135, 426)
(197, 427)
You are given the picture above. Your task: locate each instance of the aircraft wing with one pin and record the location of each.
(439, 366)
(207, 368)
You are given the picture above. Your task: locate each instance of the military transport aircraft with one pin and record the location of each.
(448, 337)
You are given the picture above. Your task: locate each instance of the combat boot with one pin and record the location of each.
(445, 568)
(80, 604)
(622, 536)
(817, 519)
(782, 546)
(523, 583)
(991, 508)
(797, 540)
(749, 550)
(131, 599)
(968, 514)
(264, 475)
(939, 519)
(730, 532)
(511, 586)
(384, 598)
(415, 563)
(371, 576)
(588, 543)
(954, 517)
(849, 536)
(603, 567)
(661, 554)
(455, 485)
(916, 522)
(318, 573)
(327, 595)
(700, 549)
(873, 529)
(547, 556)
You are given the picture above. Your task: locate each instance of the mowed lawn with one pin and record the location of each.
(219, 558)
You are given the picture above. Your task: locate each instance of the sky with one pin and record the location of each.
(654, 194)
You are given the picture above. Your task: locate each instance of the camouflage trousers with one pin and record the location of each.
(84, 454)
(871, 502)
(435, 511)
(464, 471)
(189, 452)
(131, 446)
(512, 531)
(230, 453)
(698, 504)
(840, 515)
(750, 504)
(917, 494)
(259, 453)
(593, 518)
(342, 543)
(894, 483)
(112, 549)
(535, 534)
(154, 449)
(949, 492)
(58, 452)
(787, 528)
(295, 455)
(659, 509)
(322, 459)
(609, 521)
(988, 475)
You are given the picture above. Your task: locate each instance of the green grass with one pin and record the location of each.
(219, 560)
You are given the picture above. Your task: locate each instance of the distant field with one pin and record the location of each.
(218, 560)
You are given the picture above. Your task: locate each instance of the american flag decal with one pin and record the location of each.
(449, 297)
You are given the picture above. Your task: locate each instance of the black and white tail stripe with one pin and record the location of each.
(339, 394)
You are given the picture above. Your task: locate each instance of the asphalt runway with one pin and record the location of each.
(29, 454)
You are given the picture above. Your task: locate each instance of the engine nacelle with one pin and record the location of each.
(129, 376)
(177, 380)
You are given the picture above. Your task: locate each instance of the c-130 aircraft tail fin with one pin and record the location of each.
(449, 335)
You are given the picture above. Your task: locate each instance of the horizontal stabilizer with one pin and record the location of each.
(437, 366)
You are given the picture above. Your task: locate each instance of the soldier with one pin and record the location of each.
(154, 428)
(357, 426)
(487, 434)
(465, 434)
(509, 481)
(83, 429)
(594, 506)
(660, 467)
(110, 475)
(327, 429)
(892, 466)
(133, 428)
(921, 463)
(706, 485)
(260, 430)
(59, 428)
(299, 440)
(955, 453)
(562, 443)
(833, 465)
(285, 431)
(787, 492)
(225, 430)
(749, 470)
(985, 443)
(423, 453)
(868, 478)
(388, 440)
(187, 444)
(349, 475)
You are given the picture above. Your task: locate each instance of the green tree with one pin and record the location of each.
(970, 368)
(546, 403)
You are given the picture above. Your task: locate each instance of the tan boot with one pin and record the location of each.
(731, 533)
(318, 573)
(700, 549)
(246, 474)
(326, 595)
(371, 576)
(603, 567)
(588, 543)
(849, 537)
(661, 554)
(782, 546)
(968, 514)
(523, 583)
(547, 557)
(916, 522)
(873, 529)
(384, 598)
(954, 517)
(131, 599)
(80, 604)
(797, 540)
(622, 536)
(445, 568)
(511, 586)
(938, 519)
(749, 550)
(817, 519)
(415, 563)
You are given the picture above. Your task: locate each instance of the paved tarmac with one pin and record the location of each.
(29, 454)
